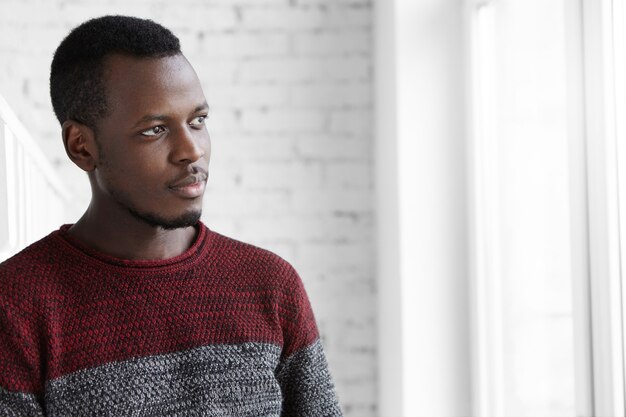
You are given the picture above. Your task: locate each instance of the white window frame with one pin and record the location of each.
(606, 289)
(595, 227)
(596, 203)
(424, 363)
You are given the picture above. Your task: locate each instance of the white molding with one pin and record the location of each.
(390, 354)
(483, 187)
(487, 372)
(31, 148)
(606, 291)
(32, 197)
(579, 226)
(619, 100)
(424, 362)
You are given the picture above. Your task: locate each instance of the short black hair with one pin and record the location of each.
(77, 87)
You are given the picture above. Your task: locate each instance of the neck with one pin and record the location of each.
(127, 237)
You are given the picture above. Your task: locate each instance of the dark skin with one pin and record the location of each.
(147, 159)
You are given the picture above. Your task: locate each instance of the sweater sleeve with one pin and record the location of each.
(19, 373)
(303, 373)
(19, 404)
(306, 384)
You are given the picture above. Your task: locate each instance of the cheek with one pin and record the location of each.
(129, 173)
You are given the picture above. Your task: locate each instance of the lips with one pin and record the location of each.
(191, 186)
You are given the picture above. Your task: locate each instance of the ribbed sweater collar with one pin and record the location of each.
(90, 255)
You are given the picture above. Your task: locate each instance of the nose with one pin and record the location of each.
(189, 145)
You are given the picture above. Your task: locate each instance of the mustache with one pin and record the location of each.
(194, 175)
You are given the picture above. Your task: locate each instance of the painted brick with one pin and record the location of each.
(351, 121)
(243, 45)
(350, 18)
(339, 284)
(347, 201)
(257, 95)
(306, 18)
(282, 120)
(315, 69)
(310, 228)
(242, 3)
(351, 3)
(285, 19)
(281, 175)
(348, 175)
(338, 256)
(213, 72)
(222, 120)
(27, 13)
(333, 147)
(206, 19)
(336, 95)
(246, 206)
(333, 43)
(257, 148)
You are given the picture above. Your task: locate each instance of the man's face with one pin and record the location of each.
(153, 146)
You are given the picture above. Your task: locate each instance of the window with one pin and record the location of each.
(546, 207)
(524, 155)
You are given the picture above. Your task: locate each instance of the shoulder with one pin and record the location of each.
(250, 268)
(31, 253)
(29, 269)
(37, 254)
(235, 255)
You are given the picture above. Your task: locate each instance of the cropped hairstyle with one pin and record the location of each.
(77, 86)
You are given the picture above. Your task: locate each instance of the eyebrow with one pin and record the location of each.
(202, 106)
(162, 117)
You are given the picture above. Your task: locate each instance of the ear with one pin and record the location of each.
(80, 144)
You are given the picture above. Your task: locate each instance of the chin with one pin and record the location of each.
(189, 218)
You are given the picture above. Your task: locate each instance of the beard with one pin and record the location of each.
(187, 219)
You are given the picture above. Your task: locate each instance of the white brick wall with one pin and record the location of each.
(290, 86)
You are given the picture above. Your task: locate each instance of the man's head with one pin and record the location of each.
(77, 74)
(132, 112)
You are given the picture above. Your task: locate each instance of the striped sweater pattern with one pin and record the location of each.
(224, 329)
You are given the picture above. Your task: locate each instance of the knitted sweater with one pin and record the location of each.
(224, 329)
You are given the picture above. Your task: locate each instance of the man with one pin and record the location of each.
(138, 308)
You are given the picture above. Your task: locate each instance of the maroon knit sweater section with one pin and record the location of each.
(66, 307)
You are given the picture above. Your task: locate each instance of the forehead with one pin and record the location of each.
(135, 86)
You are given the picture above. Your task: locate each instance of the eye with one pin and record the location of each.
(154, 131)
(198, 121)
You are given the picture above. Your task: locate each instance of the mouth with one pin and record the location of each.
(190, 187)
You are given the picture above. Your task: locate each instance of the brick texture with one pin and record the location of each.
(290, 86)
